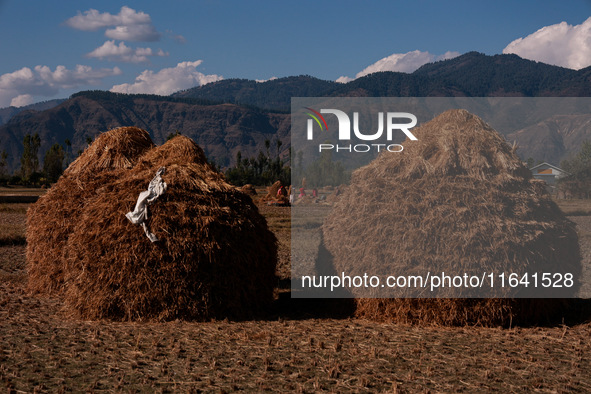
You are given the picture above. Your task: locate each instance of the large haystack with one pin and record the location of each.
(51, 219)
(216, 257)
(457, 200)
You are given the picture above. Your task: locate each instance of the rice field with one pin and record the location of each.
(301, 346)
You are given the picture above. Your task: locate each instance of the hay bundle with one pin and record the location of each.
(272, 190)
(457, 200)
(273, 196)
(248, 189)
(118, 148)
(51, 219)
(216, 257)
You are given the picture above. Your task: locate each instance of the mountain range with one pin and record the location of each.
(7, 113)
(234, 115)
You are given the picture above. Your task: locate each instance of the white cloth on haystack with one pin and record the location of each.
(139, 215)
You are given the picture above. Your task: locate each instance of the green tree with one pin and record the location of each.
(68, 150)
(3, 163)
(172, 135)
(578, 180)
(324, 171)
(30, 157)
(53, 162)
(267, 146)
(278, 143)
(239, 159)
(259, 170)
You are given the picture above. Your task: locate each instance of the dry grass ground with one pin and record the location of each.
(575, 207)
(304, 346)
(21, 191)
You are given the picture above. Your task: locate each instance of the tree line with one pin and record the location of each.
(32, 172)
(577, 182)
(268, 167)
(263, 169)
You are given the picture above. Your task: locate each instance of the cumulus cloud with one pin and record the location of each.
(19, 87)
(122, 53)
(133, 33)
(401, 62)
(405, 62)
(265, 80)
(128, 24)
(344, 79)
(560, 44)
(168, 80)
(22, 100)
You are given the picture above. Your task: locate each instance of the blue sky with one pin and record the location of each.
(50, 49)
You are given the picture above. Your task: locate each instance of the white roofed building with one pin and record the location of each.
(547, 172)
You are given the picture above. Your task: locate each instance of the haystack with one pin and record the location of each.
(216, 257)
(272, 190)
(457, 200)
(51, 220)
(118, 148)
(273, 197)
(248, 189)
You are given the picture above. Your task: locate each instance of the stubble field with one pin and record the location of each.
(302, 346)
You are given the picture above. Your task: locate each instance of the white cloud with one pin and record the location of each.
(22, 100)
(168, 80)
(265, 80)
(133, 33)
(344, 79)
(401, 62)
(92, 20)
(122, 53)
(19, 87)
(81, 75)
(128, 24)
(405, 62)
(560, 44)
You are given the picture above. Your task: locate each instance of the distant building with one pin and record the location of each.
(547, 172)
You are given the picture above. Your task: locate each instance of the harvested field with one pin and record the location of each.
(302, 346)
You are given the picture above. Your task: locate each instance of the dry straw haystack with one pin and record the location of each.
(273, 196)
(50, 221)
(248, 189)
(216, 257)
(457, 200)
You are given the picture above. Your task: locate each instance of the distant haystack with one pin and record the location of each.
(248, 189)
(457, 200)
(272, 191)
(216, 257)
(277, 194)
(51, 220)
